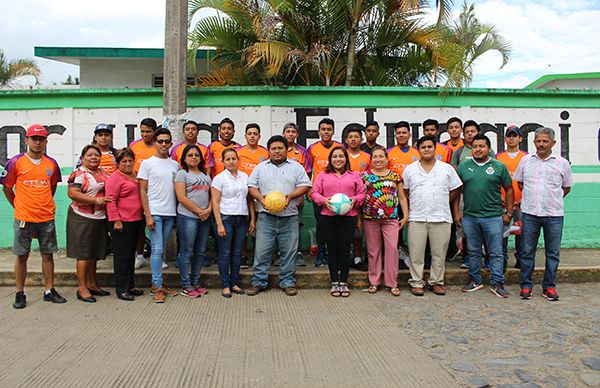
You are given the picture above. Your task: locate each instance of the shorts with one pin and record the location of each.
(45, 232)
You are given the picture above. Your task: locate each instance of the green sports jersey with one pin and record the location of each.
(481, 187)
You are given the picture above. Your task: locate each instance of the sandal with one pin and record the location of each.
(335, 289)
(372, 289)
(395, 291)
(344, 291)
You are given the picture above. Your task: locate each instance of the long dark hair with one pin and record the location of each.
(187, 149)
(330, 168)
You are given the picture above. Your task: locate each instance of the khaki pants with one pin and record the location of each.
(439, 237)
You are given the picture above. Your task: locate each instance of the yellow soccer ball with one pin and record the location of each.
(275, 202)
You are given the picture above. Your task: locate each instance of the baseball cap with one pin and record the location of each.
(102, 128)
(513, 129)
(37, 130)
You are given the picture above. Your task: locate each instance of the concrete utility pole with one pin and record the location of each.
(175, 74)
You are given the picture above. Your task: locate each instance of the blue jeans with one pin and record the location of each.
(488, 230)
(284, 231)
(230, 248)
(158, 237)
(518, 242)
(193, 236)
(553, 227)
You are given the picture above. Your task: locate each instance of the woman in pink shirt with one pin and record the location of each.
(125, 222)
(338, 230)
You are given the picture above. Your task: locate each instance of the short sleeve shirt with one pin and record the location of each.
(319, 156)
(429, 192)
(399, 158)
(248, 159)
(32, 182)
(299, 154)
(197, 190)
(142, 151)
(512, 162)
(360, 162)
(216, 151)
(234, 193)
(160, 174)
(382, 195)
(481, 187)
(92, 184)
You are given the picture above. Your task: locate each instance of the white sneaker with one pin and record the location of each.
(140, 261)
(165, 265)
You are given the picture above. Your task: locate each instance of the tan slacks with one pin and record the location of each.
(439, 237)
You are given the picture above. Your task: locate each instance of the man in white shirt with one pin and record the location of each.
(157, 192)
(545, 180)
(430, 186)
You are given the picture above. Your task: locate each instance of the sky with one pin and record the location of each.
(546, 36)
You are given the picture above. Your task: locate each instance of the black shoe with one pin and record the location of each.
(91, 299)
(125, 296)
(135, 292)
(99, 292)
(20, 300)
(360, 266)
(244, 262)
(54, 297)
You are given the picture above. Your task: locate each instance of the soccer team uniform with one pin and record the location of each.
(361, 162)
(511, 163)
(142, 152)
(452, 146)
(248, 159)
(300, 155)
(399, 158)
(443, 153)
(319, 156)
(216, 151)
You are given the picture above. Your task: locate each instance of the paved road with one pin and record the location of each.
(309, 340)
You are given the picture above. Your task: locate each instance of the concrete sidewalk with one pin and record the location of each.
(270, 340)
(577, 266)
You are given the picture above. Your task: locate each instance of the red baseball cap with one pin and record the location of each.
(37, 130)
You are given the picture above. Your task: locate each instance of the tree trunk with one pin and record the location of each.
(351, 56)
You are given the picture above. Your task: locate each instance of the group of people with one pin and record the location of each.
(443, 194)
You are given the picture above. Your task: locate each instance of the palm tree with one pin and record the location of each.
(466, 40)
(12, 71)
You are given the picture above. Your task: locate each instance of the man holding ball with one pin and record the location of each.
(277, 222)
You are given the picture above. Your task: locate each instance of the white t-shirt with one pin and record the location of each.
(160, 174)
(234, 192)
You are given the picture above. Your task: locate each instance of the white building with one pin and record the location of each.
(567, 81)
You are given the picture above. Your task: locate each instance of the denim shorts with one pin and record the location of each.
(45, 232)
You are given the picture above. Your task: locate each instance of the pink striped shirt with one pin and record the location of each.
(126, 205)
(328, 184)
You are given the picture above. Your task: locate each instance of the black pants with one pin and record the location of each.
(338, 232)
(124, 246)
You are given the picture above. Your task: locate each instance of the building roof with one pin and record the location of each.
(73, 55)
(542, 81)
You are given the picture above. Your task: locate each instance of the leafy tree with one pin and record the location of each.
(12, 71)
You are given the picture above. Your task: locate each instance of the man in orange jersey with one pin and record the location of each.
(402, 154)
(29, 182)
(319, 158)
(371, 135)
(248, 157)
(454, 129)
(431, 127)
(190, 136)
(511, 158)
(103, 136)
(299, 154)
(359, 161)
(226, 132)
(143, 148)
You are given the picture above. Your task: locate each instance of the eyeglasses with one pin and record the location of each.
(161, 141)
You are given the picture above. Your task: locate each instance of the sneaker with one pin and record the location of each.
(200, 290)
(140, 261)
(499, 290)
(360, 266)
(300, 261)
(190, 292)
(472, 286)
(464, 266)
(159, 296)
(245, 262)
(54, 297)
(20, 300)
(165, 265)
(320, 261)
(525, 293)
(550, 294)
(169, 292)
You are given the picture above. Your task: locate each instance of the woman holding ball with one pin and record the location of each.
(339, 220)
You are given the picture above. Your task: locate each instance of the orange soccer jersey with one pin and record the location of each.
(512, 164)
(33, 185)
(216, 151)
(454, 147)
(399, 158)
(248, 159)
(142, 152)
(443, 153)
(319, 156)
(361, 162)
(177, 152)
(300, 155)
(108, 163)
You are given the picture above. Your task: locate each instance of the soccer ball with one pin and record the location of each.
(340, 203)
(275, 202)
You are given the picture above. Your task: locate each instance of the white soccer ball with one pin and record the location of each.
(341, 204)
